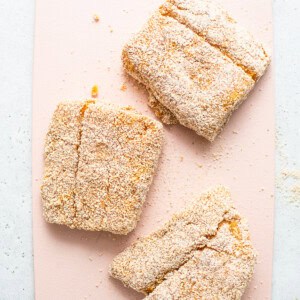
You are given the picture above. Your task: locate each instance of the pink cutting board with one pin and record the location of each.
(73, 53)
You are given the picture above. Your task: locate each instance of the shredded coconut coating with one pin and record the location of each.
(203, 252)
(165, 115)
(196, 62)
(219, 29)
(99, 165)
(61, 160)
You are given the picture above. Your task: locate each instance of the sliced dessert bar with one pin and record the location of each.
(99, 165)
(197, 63)
(203, 252)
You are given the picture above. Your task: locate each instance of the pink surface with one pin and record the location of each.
(72, 53)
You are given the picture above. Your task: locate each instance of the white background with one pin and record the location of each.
(16, 53)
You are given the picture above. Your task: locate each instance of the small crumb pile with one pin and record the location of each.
(288, 183)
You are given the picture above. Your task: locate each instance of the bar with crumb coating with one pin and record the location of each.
(202, 252)
(197, 63)
(99, 164)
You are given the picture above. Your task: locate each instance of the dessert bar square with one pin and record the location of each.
(196, 62)
(203, 252)
(99, 165)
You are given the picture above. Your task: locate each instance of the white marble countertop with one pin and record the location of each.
(286, 263)
(16, 52)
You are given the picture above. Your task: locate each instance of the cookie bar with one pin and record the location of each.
(203, 252)
(99, 165)
(197, 62)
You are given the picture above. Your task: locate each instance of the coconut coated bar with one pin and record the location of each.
(196, 62)
(99, 165)
(203, 252)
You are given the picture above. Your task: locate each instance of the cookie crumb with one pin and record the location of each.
(94, 91)
(123, 87)
(96, 18)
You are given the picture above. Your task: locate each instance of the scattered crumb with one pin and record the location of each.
(97, 285)
(288, 183)
(94, 91)
(295, 174)
(216, 156)
(90, 259)
(123, 87)
(295, 197)
(110, 29)
(96, 18)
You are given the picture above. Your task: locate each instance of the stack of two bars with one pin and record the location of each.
(99, 164)
(198, 66)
